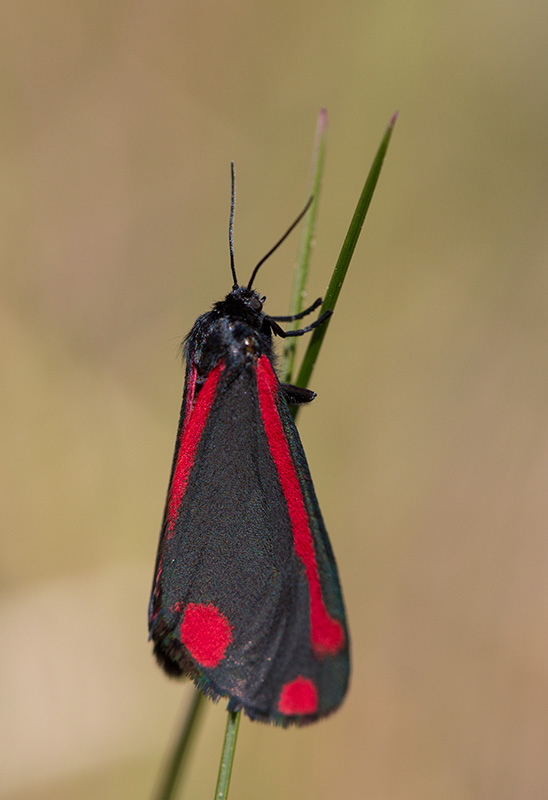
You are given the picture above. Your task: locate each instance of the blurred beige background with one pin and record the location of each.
(429, 438)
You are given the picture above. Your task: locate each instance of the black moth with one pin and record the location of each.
(246, 597)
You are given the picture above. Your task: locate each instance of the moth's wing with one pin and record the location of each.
(231, 605)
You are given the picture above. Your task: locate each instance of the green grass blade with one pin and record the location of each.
(347, 250)
(225, 767)
(307, 237)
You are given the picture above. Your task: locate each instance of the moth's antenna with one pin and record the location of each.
(279, 242)
(230, 226)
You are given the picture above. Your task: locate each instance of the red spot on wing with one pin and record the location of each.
(327, 634)
(195, 419)
(299, 697)
(206, 633)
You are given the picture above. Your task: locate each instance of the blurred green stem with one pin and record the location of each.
(298, 292)
(179, 757)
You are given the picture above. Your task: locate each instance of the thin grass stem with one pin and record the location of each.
(179, 757)
(227, 758)
(298, 292)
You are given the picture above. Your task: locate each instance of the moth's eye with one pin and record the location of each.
(255, 304)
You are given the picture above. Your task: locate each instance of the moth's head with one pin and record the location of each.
(245, 298)
(243, 303)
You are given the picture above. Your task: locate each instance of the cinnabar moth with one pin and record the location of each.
(246, 597)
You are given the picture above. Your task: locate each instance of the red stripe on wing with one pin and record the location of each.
(327, 633)
(195, 419)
